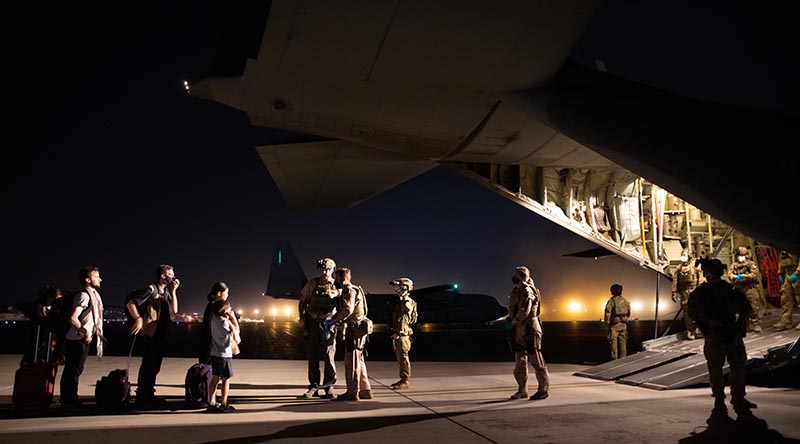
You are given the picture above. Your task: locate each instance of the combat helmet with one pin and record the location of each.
(406, 283)
(326, 263)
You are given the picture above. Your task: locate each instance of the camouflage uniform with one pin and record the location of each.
(523, 310)
(618, 311)
(719, 301)
(745, 277)
(352, 312)
(790, 291)
(317, 304)
(685, 278)
(402, 315)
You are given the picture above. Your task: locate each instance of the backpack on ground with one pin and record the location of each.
(198, 386)
(113, 391)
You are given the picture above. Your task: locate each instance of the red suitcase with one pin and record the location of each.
(34, 382)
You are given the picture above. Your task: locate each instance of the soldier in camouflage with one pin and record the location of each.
(523, 312)
(685, 278)
(402, 315)
(745, 276)
(352, 313)
(789, 278)
(721, 311)
(617, 313)
(316, 307)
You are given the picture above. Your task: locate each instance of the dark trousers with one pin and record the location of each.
(152, 356)
(318, 349)
(75, 353)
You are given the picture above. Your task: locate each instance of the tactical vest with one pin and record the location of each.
(402, 315)
(687, 276)
(743, 268)
(516, 298)
(359, 308)
(322, 302)
(620, 310)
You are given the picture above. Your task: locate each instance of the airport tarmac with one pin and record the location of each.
(461, 402)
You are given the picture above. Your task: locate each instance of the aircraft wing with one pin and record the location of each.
(335, 173)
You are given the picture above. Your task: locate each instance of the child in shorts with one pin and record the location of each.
(223, 328)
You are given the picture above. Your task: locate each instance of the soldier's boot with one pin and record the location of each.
(780, 326)
(519, 395)
(365, 394)
(539, 395)
(757, 328)
(347, 397)
(400, 385)
(397, 382)
(742, 403)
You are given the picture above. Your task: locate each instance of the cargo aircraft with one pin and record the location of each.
(517, 96)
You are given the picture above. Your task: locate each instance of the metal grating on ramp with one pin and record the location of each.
(682, 373)
(630, 364)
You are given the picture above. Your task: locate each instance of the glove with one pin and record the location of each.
(793, 278)
(780, 279)
(326, 331)
(739, 276)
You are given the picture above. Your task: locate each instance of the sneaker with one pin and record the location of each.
(312, 392)
(742, 403)
(227, 408)
(519, 395)
(400, 385)
(214, 408)
(347, 397)
(328, 394)
(539, 395)
(365, 394)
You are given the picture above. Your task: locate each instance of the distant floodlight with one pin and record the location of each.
(455, 286)
(636, 305)
(273, 311)
(288, 311)
(256, 311)
(574, 307)
(185, 83)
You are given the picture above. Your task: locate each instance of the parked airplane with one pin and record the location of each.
(495, 91)
(436, 304)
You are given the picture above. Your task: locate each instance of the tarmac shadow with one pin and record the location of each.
(745, 428)
(321, 429)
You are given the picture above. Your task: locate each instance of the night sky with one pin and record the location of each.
(111, 163)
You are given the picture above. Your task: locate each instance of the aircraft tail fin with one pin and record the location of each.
(286, 276)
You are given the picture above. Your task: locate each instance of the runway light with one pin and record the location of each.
(273, 311)
(288, 311)
(256, 311)
(574, 307)
(455, 286)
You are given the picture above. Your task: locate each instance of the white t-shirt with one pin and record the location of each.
(81, 300)
(221, 337)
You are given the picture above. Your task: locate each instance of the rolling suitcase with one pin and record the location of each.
(34, 381)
